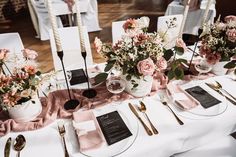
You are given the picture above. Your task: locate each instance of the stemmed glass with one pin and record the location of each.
(203, 67)
(115, 85)
(60, 79)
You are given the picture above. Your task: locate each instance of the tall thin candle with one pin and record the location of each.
(206, 12)
(80, 28)
(184, 19)
(54, 26)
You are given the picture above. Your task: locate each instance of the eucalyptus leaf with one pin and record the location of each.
(109, 66)
(101, 77)
(168, 54)
(179, 50)
(230, 65)
(170, 75)
(179, 73)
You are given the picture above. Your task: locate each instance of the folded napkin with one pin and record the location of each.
(88, 131)
(180, 97)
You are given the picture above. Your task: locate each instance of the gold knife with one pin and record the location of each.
(7, 147)
(149, 132)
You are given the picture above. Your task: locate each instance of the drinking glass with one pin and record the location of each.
(203, 67)
(115, 85)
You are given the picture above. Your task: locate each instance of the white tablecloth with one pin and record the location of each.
(194, 18)
(172, 137)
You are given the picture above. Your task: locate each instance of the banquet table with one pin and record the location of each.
(194, 18)
(172, 138)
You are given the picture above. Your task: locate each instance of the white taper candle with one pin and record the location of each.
(54, 26)
(206, 12)
(184, 19)
(80, 28)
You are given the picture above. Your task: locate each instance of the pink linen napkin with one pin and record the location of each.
(181, 98)
(92, 139)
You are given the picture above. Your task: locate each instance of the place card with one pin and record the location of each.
(78, 76)
(204, 98)
(113, 127)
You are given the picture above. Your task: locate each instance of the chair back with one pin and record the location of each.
(70, 42)
(172, 33)
(117, 31)
(11, 41)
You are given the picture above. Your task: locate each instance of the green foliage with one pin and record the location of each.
(179, 50)
(101, 77)
(168, 54)
(109, 65)
(176, 70)
(230, 65)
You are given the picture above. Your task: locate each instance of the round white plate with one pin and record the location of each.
(121, 146)
(200, 112)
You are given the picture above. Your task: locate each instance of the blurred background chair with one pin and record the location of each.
(70, 41)
(11, 41)
(40, 18)
(170, 34)
(194, 18)
(117, 31)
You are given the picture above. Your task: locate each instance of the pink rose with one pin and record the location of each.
(204, 50)
(130, 24)
(30, 69)
(230, 18)
(213, 58)
(98, 45)
(29, 54)
(180, 43)
(161, 64)
(231, 34)
(3, 53)
(146, 67)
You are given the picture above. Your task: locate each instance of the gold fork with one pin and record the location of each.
(62, 132)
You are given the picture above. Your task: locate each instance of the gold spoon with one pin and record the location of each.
(143, 109)
(19, 144)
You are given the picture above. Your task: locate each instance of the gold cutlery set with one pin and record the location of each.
(143, 109)
(216, 86)
(18, 145)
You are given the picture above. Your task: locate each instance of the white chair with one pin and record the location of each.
(40, 18)
(194, 18)
(224, 147)
(11, 41)
(70, 41)
(172, 33)
(117, 31)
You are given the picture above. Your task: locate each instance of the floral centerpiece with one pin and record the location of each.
(219, 42)
(20, 85)
(138, 54)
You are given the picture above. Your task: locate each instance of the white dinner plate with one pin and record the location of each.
(121, 146)
(200, 112)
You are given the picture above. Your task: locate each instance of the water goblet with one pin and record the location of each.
(203, 67)
(115, 85)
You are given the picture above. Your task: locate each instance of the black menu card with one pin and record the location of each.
(78, 76)
(113, 127)
(205, 99)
